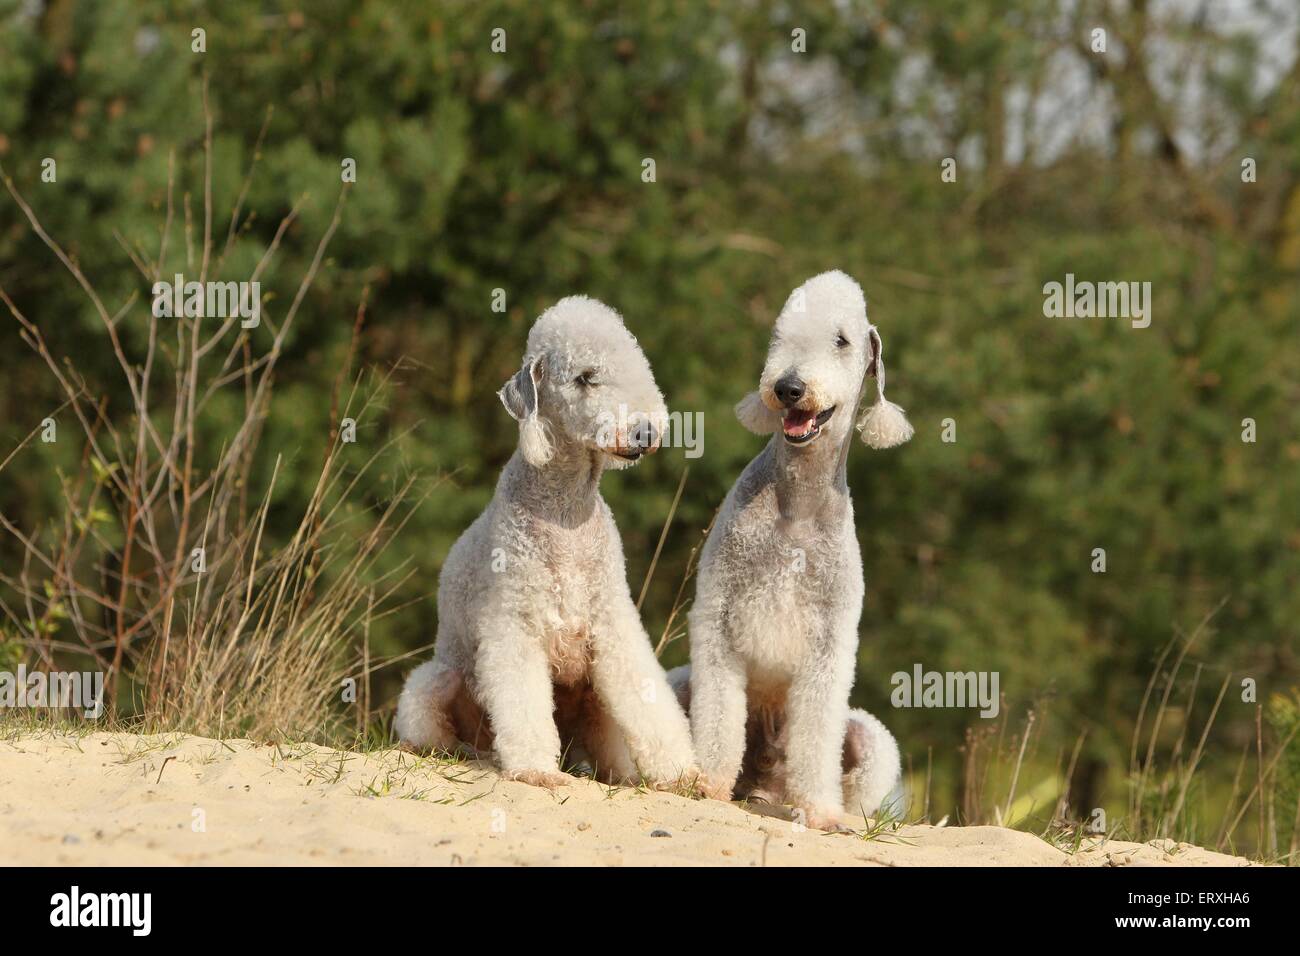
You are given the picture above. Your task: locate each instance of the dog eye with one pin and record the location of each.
(841, 342)
(587, 379)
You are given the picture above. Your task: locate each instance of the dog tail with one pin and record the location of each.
(423, 722)
(873, 781)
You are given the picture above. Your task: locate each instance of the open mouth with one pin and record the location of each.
(630, 452)
(803, 425)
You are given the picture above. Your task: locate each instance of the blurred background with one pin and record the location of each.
(787, 139)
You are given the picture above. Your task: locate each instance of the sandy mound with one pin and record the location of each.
(175, 799)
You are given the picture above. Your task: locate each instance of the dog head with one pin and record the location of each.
(585, 384)
(822, 346)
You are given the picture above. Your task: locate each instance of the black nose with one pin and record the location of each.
(643, 436)
(789, 389)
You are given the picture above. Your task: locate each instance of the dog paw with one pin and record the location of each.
(550, 779)
(820, 818)
(713, 789)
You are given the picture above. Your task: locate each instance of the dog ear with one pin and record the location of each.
(519, 393)
(519, 396)
(883, 425)
(757, 417)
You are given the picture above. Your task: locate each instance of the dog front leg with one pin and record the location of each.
(514, 685)
(634, 691)
(817, 709)
(718, 709)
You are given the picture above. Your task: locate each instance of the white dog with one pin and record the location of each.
(869, 761)
(540, 648)
(774, 627)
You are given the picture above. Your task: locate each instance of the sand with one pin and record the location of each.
(180, 800)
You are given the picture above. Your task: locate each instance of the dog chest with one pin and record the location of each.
(784, 587)
(568, 651)
(571, 586)
(774, 629)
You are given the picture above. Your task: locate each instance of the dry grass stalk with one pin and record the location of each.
(161, 567)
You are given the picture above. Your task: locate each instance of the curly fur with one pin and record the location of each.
(870, 762)
(540, 648)
(774, 626)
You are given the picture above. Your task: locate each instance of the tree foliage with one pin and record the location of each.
(522, 171)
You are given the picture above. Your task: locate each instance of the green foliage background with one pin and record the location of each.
(522, 171)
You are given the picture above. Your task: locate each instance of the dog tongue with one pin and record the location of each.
(796, 421)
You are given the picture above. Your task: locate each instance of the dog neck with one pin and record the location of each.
(562, 491)
(809, 481)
